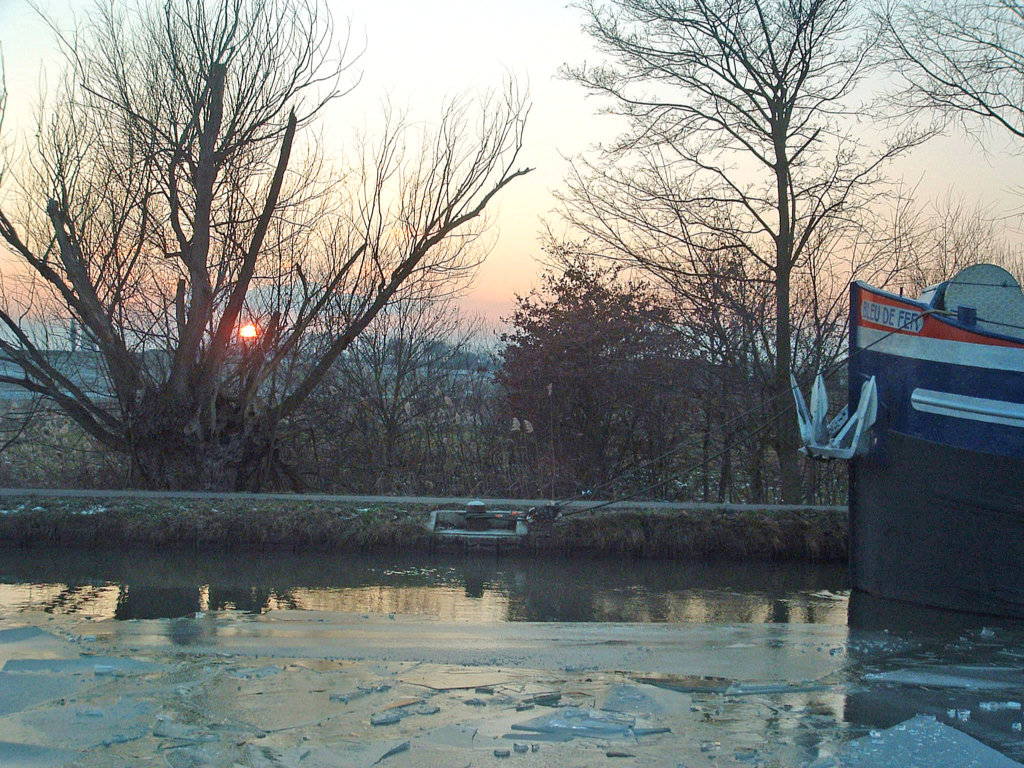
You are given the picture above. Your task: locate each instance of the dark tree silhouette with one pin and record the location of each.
(597, 369)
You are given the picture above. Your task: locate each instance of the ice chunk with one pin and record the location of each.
(922, 742)
(996, 706)
(629, 698)
(588, 723)
(385, 718)
(361, 690)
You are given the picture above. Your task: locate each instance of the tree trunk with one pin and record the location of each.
(169, 450)
(786, 437)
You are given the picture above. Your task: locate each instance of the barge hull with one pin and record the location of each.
(939, 525)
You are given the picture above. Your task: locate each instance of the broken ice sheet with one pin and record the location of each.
(686, 683)
(32, 756)
(454, 735)
(19, 692)
(84, 664)
(126, 720)
(166, 728)
(587, 723)
(921, 742)
(753, 689)
(194, 757)
(21, 634)
(33, 642)
(352, 755)
(447, 677)
(254, 673)
(260, 756)
(953, 676)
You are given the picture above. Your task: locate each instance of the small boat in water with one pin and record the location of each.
(935, 442)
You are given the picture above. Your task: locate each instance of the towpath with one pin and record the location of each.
(428, 500)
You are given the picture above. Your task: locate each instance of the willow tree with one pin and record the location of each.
(740, 157)
(172, 203)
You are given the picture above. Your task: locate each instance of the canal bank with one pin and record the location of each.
(351, 524)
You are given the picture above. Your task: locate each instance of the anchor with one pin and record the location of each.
(844, 436)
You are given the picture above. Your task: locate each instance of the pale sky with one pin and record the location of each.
(418, 53)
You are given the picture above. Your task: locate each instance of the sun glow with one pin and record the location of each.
(248, 331)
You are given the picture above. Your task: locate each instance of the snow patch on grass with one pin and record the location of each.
(97, 509)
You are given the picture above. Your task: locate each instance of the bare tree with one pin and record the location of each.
(393, 399)
(960, 59)
(946, 235)
(174, 204)
(741, 151)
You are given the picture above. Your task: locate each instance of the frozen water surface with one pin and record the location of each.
(704, 667)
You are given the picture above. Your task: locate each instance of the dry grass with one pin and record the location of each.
(209, 524)
(710, 533)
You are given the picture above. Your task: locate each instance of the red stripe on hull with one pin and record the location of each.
(934, 326)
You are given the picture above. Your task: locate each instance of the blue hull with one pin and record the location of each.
(939, 526)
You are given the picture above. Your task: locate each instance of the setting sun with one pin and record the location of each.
(248, 331)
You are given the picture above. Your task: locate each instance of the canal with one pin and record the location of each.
(772, 664)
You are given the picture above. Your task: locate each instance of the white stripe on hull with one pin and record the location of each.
(942, 350)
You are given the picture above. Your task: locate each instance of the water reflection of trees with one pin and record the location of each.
(449, 586)
(87, 599)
